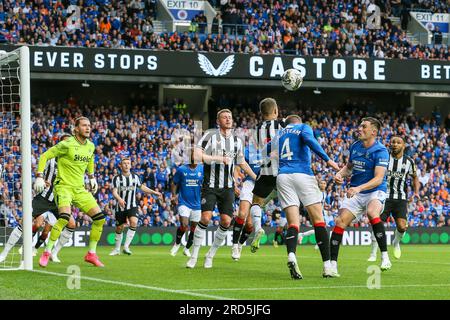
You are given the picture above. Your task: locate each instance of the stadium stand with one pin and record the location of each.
(318, 28)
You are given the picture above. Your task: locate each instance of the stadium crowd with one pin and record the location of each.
(147, 135)
(305, 27)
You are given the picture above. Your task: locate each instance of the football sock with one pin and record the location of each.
(237, 229)
(279, 236)
(57, 229)
(130, 235)
(220, 235)
(180, 231)
(380, 233)
(244, 236)
(374, 245)
(96, 231)
(118, 243)
(322, 240)
(40, 240)
(255, 211)
(12, 240)
(66, 235)
(190, 238)
(199, 235)
(398, 237)
(291, 238)
(335, 242)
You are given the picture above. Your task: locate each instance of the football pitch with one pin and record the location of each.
(151, 273)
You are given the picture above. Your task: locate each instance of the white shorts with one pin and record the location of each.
(193, 215)
(247, 191)
(49, 218)
(357, 205)
(294, 188)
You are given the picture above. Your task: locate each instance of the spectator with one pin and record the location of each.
(437, 36)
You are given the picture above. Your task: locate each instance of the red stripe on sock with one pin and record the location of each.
(294, 226)
(338, 230)
(34, 229)
(192, 228)
(375, 221)
(319, 224)
(240, 220)
(183, 228)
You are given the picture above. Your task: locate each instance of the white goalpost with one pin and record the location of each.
(15, 157)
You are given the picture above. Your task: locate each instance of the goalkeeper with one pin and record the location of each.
(75, 156)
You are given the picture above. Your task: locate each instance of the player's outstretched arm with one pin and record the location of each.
(343, 173)
(248, 171)
(313, 144)
(146, 189)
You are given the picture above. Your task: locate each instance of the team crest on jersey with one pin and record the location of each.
(199, 174)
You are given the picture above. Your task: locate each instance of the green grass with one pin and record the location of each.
(151, 273)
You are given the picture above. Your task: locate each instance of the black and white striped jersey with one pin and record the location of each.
(50, 172)
(397, 175)
(126, 188)
(218, 174)
(264, 133)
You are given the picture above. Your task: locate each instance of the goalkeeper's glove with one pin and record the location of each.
(39, 185)
(94, 185)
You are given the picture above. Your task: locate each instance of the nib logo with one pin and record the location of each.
(209, 69)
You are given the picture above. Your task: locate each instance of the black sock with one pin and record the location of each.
(237, 229)
(180, 231)
(335, 242)
(322, 240)
(40, 241)
(380, 233)
(291, 239)
(244, 236)
(190, 240)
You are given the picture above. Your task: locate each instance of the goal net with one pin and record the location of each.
(15, 161)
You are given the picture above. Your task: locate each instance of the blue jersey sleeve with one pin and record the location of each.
(177, 176)
(310, 140)
(382, 158)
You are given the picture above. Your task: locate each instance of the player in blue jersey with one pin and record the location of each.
(296, 183)
(367, 166)
(241, 232)
(186, 187)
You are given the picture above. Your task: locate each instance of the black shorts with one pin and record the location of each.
(41, 205)
(397, 208)
(121, 216)
(264, 185)
(224, 198)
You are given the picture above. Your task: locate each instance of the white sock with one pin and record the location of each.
(398, 237)
(374, 246)
(65, 236)
(327, 264)
(256, 211)
(199, 235)
(384, 255)
(307, 233)
(118, 238)
(130, 236)
(14, 237)
(220, 235)
(292, 257)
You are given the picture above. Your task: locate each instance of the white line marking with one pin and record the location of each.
(320, 287)
(125, 284)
